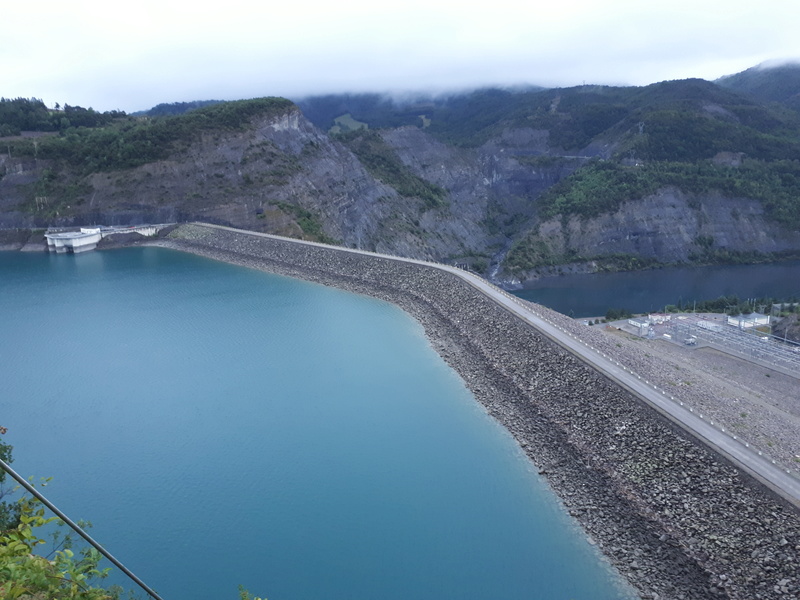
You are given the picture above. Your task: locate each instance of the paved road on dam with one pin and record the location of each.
(739, 452)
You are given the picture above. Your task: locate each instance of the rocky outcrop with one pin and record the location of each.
(668, 227)
(676, 519)
(282, 171)
(492, 190)
(258, 179)
(283, 175)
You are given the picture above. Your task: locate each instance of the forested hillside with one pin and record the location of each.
(508, 182)
(779, 83)
(110, 141)
(23, 114)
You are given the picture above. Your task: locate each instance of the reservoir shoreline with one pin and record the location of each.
(674, 518)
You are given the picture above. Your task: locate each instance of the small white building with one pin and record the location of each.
(641, 325)
(748, 321)
(659, 318)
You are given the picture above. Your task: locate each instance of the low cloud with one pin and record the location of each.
(89, 54)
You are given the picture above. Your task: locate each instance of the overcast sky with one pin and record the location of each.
(131, 57)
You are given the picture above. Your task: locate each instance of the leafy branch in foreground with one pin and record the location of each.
(9, 512)
(24, 574)
(60, 575)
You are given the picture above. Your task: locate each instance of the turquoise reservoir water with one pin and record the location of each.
(221, 426)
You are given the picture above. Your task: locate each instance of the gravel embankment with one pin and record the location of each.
(753, 402)
(675, 519)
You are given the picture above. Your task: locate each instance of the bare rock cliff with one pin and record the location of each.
(667, 227)
(284, 175)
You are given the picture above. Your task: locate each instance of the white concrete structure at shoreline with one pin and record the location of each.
(74, 241)
(88, 237)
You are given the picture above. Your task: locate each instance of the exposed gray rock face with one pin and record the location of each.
(241, 178)
(677, 520)
(236, 178)
(670, 227)
(492, 193)
(283, 175)
(252, 179)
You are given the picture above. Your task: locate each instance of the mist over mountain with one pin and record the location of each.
(768, 83)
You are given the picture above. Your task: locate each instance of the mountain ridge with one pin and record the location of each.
(506, 182)
(778, 83)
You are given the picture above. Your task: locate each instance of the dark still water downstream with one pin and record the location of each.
(221, 426)
(591, 295)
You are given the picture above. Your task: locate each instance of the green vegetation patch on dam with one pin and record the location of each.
(675, 518)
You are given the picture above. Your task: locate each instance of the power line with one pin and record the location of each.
(77, 529)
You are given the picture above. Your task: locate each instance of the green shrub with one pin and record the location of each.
(384, 164)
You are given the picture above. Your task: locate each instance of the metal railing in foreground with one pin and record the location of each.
(76, 528)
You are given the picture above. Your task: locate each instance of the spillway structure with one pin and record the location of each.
(87, 238)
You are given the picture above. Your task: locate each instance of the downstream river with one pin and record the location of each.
(222, 427)
(591, 295)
